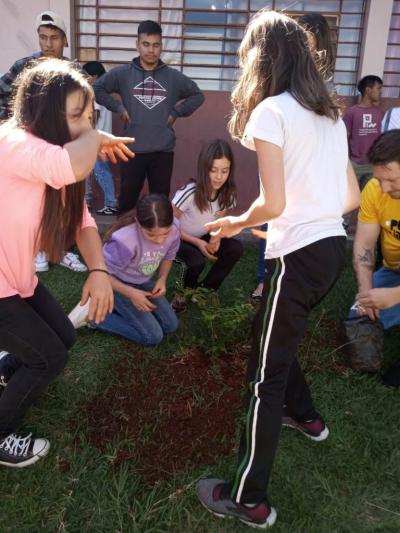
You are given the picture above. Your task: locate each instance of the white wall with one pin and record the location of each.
(18, 35)
(375, 37)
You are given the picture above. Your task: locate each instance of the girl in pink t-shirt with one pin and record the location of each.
(47, 148)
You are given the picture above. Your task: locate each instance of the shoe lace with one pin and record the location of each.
(16, 445)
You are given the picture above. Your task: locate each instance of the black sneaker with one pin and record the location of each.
(213, 495)
(315, 430)
(109, 211)
(18, 452)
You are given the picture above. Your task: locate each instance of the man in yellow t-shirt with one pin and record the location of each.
(379, 217)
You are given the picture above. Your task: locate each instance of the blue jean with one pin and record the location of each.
(143, 327)
(104, 178)
(261, 256)
(384, 277)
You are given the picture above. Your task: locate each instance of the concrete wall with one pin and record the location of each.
(375, 37)
(18, 35)
(210, 122)
(18, 38)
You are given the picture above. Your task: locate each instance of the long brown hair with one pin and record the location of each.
(152, 210)
(215, 149)
(40, 108)
(274, 56)
(318, 26)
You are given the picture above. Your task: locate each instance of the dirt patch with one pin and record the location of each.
(182, 412)
(166, 415)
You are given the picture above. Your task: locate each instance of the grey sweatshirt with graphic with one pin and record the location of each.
(149, 97)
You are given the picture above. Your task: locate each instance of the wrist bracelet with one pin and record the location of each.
(98, 270)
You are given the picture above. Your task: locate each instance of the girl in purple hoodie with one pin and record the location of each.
(143, 241)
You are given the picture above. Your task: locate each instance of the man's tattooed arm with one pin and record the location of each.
(366, 259)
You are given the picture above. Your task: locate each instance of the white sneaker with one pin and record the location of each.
(78, 315)
(41, 263)
(257, 293)
(72, 261)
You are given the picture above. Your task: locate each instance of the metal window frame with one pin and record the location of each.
(395, 13)
(88, 53)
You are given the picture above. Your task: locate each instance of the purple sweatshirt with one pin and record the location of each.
(133, 259)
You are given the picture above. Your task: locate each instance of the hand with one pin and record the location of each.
(115, 146)
(213, 245)
(159, 289)
(258, 233)
(361, 310)
(224, 227)
(124, 116)
(203, 247)
(380, 298)
(98, 288)
(140, 300)
(171, 120)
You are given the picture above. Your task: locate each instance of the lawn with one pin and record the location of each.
(125, 455)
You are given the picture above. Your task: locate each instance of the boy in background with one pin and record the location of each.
(363, 123)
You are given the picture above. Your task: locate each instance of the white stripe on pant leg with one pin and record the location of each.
(256, 387)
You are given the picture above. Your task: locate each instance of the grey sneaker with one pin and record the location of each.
(213, 495)
(315, 430)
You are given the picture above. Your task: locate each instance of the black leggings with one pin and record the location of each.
(194, 262)
(37, 332)
(294, 285)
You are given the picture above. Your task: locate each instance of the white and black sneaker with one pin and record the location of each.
(8, 366)
(3, 378)
(18, 452)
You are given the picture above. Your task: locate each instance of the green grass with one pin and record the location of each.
(350, 483)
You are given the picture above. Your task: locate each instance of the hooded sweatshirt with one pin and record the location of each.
(149, 97)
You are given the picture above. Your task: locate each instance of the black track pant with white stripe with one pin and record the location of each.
(294, 284)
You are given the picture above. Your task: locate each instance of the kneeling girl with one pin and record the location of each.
(143, 241)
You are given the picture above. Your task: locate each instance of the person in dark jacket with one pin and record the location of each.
(153, 96)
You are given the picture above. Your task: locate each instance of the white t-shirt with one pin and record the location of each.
(391, 120)
(192, 220)
(315, 156)
(104, 122)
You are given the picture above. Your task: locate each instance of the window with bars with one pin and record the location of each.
(201, 37)
(391, 75)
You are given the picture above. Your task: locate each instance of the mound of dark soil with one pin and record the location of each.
(171, 415)
(164, 416)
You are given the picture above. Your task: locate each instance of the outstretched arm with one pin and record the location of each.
(272, 199)
(83, 151)
(353, 195)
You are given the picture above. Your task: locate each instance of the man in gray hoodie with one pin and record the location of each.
(153, 96)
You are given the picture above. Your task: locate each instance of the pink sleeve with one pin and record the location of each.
(87, 219)
(33, 159)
